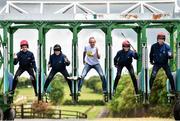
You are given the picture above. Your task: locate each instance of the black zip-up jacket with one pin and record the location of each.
(124, 58)
(159, 54)
(58, 62)
(26, 60)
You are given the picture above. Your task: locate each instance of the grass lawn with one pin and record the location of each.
(87, 94)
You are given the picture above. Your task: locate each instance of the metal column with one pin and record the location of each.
(178, 59)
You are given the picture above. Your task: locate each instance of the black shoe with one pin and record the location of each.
(11, 93)
(36, 94)
(172, 93)
(79, 93)
(105, 93)
(44, 94)
(114, 92)
(79, 78)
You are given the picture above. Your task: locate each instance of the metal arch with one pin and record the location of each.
(80, 4)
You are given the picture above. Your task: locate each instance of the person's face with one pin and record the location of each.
(161, 41)
(24, 48)
(92, 42)
(126, 48)
(57, 52)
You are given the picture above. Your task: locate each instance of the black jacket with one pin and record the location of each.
(25, 59)
(58, 62)
(159, 54)
(124, 58)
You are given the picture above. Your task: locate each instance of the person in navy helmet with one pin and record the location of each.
(58, 62)
(124, 58)
(159, 55)
(26, 63)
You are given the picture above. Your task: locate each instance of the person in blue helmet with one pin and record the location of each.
(124, 58)
(58, 61)
(159, 55)
(26, 63)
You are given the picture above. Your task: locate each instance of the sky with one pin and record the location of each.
(64, 38)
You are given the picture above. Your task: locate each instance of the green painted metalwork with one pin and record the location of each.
(178, 59)
(139, 61)
(139, 26)
(5, 27)
(41, 65)
(1, 57)
(171, 31)
(11, 39)
(75, 30)
(108, 57)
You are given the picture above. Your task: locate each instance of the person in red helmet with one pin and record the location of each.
(159, 55)
(123, 59)
(26, 63)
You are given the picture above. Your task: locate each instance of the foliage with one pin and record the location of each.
(123, 103)
(57, 90)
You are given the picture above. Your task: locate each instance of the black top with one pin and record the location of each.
(25, 59)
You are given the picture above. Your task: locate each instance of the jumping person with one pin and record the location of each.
(58, 61)
(159, 55)
(123, 59)
(26, 63)
(91, 58)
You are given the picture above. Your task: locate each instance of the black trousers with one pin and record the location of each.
(51, 75)
(168, 73)
(131, 71)
(18, 74)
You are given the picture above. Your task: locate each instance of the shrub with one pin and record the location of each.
(57, 91)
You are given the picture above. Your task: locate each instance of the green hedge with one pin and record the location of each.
(57, 90)
(94, 83)
(123, 103)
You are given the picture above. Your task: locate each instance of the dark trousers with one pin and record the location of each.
(51, 75)
(18, 74)
(168, 73)
(131, 71)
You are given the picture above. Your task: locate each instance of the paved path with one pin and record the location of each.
(101, 119)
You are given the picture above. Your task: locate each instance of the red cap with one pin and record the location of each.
(126, 43)
(24, 42)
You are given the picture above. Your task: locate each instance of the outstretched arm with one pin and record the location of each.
(67, 62)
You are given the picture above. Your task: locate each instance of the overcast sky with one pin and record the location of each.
(64, 38)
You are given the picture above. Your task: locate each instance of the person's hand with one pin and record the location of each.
(49, 66)
(151, 61)
(65, 59)
(15, 56)
(35, 69)
(84, 62)
(170, 55)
